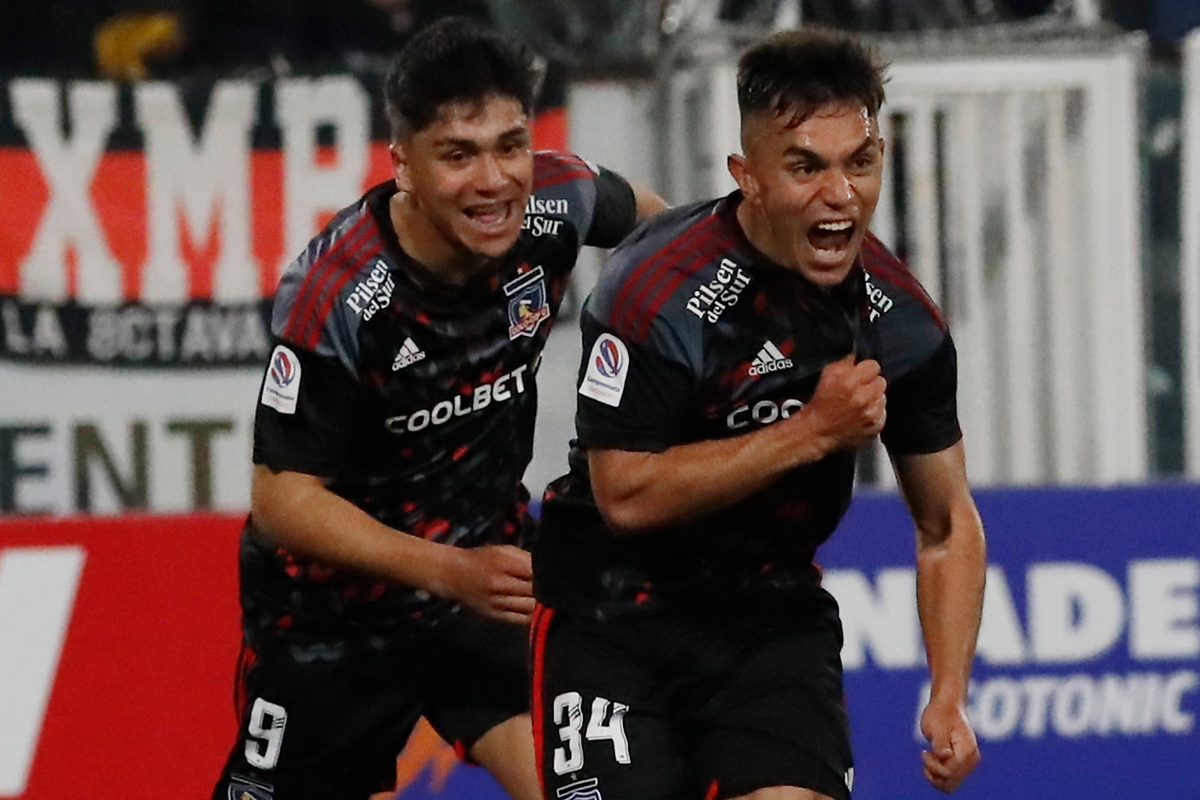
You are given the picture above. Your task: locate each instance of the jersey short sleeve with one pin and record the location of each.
(306, 411)
(631, 395)
(310, 397)
(922, 411)
(616, 210)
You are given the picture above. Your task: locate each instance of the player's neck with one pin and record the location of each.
(758, 232)
(424, 243)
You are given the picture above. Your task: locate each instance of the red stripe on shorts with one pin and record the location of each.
(537, 636)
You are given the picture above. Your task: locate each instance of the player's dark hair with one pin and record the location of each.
(796, 72)
(455, 60)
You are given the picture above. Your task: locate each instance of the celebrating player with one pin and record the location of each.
(738, 352)
(383, 569)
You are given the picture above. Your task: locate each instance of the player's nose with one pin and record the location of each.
(490, 176)
(837, 189)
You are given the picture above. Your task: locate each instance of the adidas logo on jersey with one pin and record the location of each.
(409, 354)
(769, 359)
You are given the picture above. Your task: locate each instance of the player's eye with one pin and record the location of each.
(864, 161)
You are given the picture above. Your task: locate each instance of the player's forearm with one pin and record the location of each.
(640, 492)
(298, 513)
(950, 580)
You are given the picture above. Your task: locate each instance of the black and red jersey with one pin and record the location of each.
(690, 335)
(410, 398)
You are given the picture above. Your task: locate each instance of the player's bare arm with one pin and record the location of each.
(648, 202)
(951, 565)
(298, 513)
(638, 492)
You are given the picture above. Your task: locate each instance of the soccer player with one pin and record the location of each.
(384, 574)
(738, 353)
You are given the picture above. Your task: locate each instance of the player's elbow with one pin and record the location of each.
(624, 515)
(960, 531)
(624, 491)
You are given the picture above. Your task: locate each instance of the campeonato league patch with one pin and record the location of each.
(281, 387)
(608, 367)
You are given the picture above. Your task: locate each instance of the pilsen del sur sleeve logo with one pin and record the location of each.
(527, 303)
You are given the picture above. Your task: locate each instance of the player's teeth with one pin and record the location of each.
(835, 226)
(489, 212)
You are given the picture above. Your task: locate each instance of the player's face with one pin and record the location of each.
(470, 174)
(810, 190)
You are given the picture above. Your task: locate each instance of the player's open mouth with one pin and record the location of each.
(831, 238)
(491, 217)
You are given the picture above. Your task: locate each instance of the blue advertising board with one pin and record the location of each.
(1087, 677)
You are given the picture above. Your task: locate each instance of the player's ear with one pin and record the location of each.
(736, 164)
(399, 158)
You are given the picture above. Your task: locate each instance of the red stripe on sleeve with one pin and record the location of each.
(312, 332)
(333, 275)
(645, 275)
(310, 287)
(876, 258)
(701, 253)
(563, 177)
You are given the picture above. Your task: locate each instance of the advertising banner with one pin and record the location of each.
(119, 637)
(118, 644)
(119, 640)
(1087, 677)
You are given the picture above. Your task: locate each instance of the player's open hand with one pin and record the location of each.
(495, 581)
(953, 751)
(848, 406)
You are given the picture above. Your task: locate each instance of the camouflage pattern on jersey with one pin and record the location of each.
(415, 399)
(691, 335)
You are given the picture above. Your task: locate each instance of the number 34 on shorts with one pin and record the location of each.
(606, 721)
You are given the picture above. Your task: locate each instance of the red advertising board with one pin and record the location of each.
(140, 703)
(133, 698)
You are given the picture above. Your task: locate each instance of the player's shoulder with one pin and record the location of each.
(556, 172)
(892, 286)
(557, 167)
(659, 266)
(340, 271)
(909, 327)
(564, 187)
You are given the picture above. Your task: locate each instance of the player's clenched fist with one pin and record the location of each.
(849, 405)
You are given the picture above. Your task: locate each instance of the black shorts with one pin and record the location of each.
(326, 722)
(688, 706)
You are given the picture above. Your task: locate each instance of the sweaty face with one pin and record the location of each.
(810, 190)
(469, 175)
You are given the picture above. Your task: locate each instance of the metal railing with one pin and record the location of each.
(1189, 272)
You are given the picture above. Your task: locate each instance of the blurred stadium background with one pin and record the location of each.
(161, 160)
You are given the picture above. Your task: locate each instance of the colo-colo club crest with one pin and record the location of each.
(527, 305)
